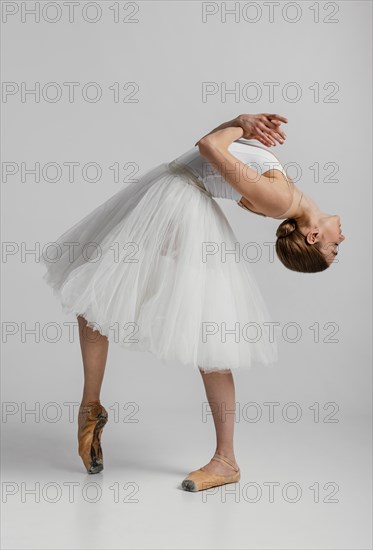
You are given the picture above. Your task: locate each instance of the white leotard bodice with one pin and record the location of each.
(251, 152)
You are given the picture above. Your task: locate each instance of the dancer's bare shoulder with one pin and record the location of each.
(283, 195)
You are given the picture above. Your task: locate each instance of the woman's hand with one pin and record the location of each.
(264, 127)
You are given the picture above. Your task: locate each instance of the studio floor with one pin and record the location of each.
(304, 486)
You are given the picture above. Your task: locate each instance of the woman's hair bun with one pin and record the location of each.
(286, 227)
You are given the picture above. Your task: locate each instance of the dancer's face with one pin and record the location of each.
(329, 235)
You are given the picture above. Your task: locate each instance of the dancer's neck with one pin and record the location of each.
(308, 214)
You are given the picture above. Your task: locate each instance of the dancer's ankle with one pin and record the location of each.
(227, 452)
(89, 399)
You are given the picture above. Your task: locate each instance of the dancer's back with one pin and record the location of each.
(250, 152)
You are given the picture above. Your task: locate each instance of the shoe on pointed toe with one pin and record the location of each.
(199, 480)
(92, 419)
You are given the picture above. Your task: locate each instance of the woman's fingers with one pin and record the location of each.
(272, 134)
(277, 118)
(269, 123)
(265, 138)
(275, 125)
(262, 137)
(265, 142)
(280, 136)
(276, 132)
(265, 127)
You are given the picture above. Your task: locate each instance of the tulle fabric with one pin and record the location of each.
(146, 269)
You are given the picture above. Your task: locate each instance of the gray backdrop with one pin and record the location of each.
(150, 78)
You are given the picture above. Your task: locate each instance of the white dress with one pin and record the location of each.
(151, 268)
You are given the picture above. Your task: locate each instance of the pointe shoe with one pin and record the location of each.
(200, 479)
(91, 421)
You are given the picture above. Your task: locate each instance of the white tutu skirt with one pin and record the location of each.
(147, 269)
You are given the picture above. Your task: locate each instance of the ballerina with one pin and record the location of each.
(308, 239)
(149, 269)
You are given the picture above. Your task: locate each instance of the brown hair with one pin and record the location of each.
(295, 252)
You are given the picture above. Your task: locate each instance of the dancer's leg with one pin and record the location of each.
(94, 347)
(220, 392)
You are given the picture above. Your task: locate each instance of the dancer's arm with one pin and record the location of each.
(264, 127)
(256, 188)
